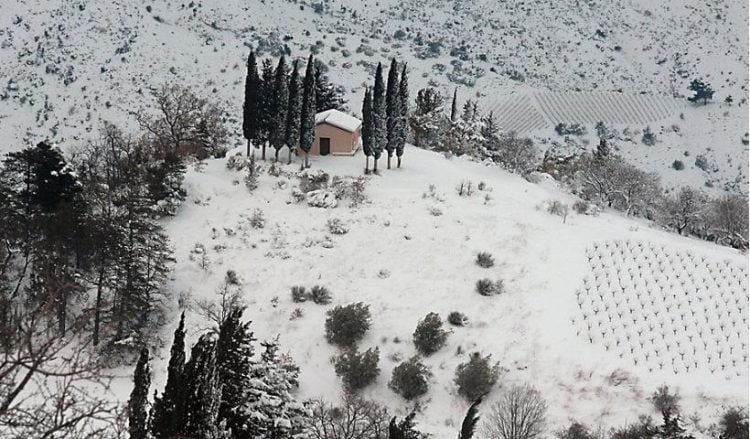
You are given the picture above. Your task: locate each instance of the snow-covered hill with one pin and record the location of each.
(69, 64)
(404, 260)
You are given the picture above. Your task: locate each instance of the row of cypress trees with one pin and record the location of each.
(385, 110)
(221, 391)
(280, 105)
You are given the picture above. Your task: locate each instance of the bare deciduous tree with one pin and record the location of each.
(519, 414)
(357, 418)
(684, 209)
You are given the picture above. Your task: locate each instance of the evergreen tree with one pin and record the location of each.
(169, 409)
(392, 110)
(454, 105)
(701, 91)
(403, 95)
(270, 408)
(234, 358)
(265, 114)
(203, 391)
(138, 402)
(250, 117)
(378, 117)
(602, 149)
(367, 128)
(291, 134)
(279, 109)
(469, 425)
(326, 95)
(307, 113)
(406, 429)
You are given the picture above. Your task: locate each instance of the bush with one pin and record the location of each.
(678, 165)
(456, 318)
(734, 424)
(320, 295)
(258, 220)
(430, 336)
(299, 294)
(485, 260)
(358, 370)
(701, 162)
(648, 138)
(575, 431)
(336, 226)
(476, 377)
(574, 129)
(410, 378)
(346, 325)
(666, 402)
(486, 287)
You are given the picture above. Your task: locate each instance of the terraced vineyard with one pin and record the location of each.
(528, 112)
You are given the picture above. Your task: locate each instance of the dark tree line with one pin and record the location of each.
(280, 106)
(384, 116)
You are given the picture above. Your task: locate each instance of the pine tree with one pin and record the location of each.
(265, 113)
(393, 111)
(326, 96)
(701, 91)
(250, 117)
(454, 105)
(403, 94)
(378, 118)
(307, 113)
(169, 410)
(291, 134)
(234, 358)
(138, 402)
(469, 425)
(279, 108)
(203, 391)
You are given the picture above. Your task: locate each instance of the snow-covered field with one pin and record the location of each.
(404, 261)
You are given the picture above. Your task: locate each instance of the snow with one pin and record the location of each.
(338, 119)
(534, 329)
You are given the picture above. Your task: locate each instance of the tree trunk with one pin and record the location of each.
(98, 307)
(290, 156)
(375, 166)
(399, 161)
(367, 164)
(307, 163)
(276, 154)
(263, 152)
(389, 161)
(248, 147)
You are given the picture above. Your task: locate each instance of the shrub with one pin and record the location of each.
(575, 431)
(558, 208)
(358, 370)
(678, 165)
(648, 138)
(485, 260)
(346, 325)
(476, 377)
(734, 424)
(336, 226)
(574, 129)
(320, 295)
(701, 162)
(456, 318)
(666, 402)
(299, 294)
(258, 220)
(487, 287)
(581, 207)
(410, 378)
(430, 336)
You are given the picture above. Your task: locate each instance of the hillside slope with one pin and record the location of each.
(405, 261)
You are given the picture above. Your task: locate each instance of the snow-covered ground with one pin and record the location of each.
(404, 262)
(69, 64)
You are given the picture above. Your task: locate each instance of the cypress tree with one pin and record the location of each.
(393, 110)
(138, 402)
(169, 410)
(251, 105)
(234, 351)
(367, 128)
(403, 95)
(454, 105)
(279, 109)
(307, 113)
(378, 117)
(265, 113)
(469, 426)
(204, 390)
(326, 96)
(291, 134)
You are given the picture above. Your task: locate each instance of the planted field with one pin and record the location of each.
(665, 310)
(524, 113)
